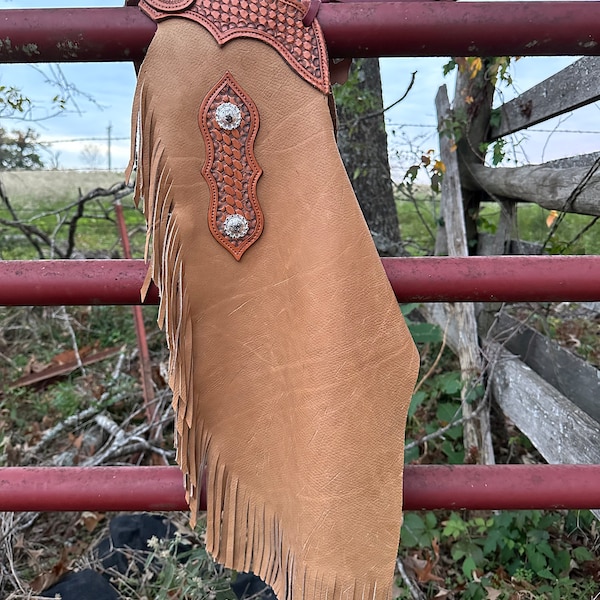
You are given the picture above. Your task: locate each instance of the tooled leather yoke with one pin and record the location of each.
(275, 22)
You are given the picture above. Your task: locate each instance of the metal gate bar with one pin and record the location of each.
(426, 487)
(430, 279)
(402, 28)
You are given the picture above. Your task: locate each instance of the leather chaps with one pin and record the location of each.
(290, 363)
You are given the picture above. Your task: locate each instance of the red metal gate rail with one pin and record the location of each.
(426, 487)
(439, 279)
(505, 278)
(401, 28)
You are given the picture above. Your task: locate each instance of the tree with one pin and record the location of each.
(362, 141)
(91, 156)
(19, 150)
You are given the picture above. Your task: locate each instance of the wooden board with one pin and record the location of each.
(575, 86)
(561, 431)
(581, 160)
(476, 430)
(549, 187)
(572, 376)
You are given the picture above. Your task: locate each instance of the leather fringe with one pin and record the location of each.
(163, 253)
(242, 532)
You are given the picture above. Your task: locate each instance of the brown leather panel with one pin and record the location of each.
(292, 369)
(275, 22)
(229, 123)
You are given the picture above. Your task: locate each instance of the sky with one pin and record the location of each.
(102, 94)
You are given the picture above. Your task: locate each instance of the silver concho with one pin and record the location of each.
(235, 227)
(228, 115)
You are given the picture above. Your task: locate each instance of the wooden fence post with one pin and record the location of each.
(477, 435)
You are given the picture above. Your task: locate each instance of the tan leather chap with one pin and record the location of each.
(290, 363)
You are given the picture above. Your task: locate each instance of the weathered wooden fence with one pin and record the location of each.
(549, 393)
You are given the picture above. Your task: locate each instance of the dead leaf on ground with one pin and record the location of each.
(49, 578)
(91, 519)
(76, 441)
(69, 356)
(493, 593)
(58, 368)
(421, 569)
(33, 366)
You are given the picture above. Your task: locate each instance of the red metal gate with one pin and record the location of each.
(401, 28)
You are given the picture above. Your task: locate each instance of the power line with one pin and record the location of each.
(562, 130)
(92, 139)
(418, 125)
(533, 129)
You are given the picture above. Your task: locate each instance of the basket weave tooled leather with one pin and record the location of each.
(290, 363)
(274, 22)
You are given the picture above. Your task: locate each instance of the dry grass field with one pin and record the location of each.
(30, 189)
(68, 214)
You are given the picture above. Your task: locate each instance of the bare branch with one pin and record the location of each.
(378, 113)
(414, 590)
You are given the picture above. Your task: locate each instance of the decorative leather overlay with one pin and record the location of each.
(172, 5)
(275, 22)
(229, 123)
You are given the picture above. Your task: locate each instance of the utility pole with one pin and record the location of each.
(109, 130)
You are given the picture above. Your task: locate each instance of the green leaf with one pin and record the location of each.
(417, 400)
(450, 383)
(469, 567)
(537, 560)
(430, 520)
(498, 153)
(454, 528)
(412, 172)
(408, 308)
(475, 393)
(455, 456)
(457, 553)
(447, 412)
(545, 548)
(449, 67)
(491, 541)
(560, 563)
(581, 554)
(413, 528)
(425, 332)
(546, 574)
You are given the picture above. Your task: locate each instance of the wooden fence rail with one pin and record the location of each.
(558, 417)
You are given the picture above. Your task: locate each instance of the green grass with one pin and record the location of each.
(532, 223)
(419, 218)
(36, 196)
(36, 190)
